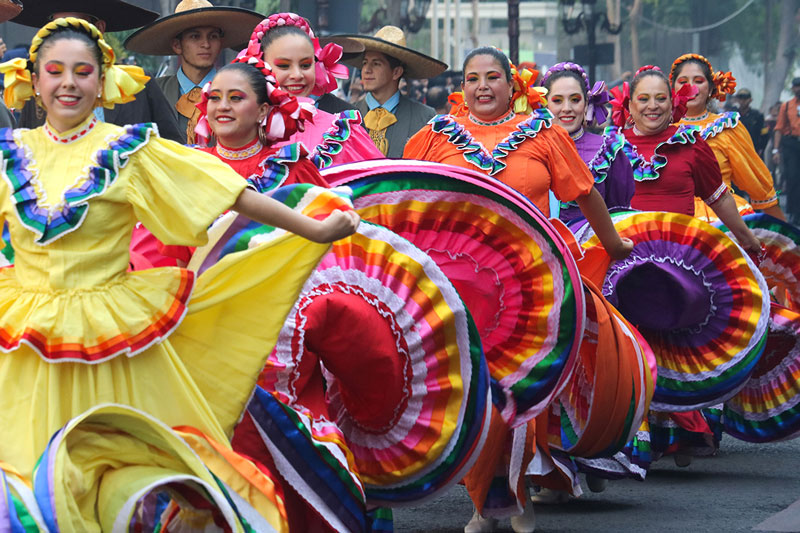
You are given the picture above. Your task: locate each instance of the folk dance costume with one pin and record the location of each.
(613, 176)
(765, 409)
(550, 162)
(406, 425)
(393, 122)
(731, 143)
(603, 154)
(740, 164)
(331, 138)
(80, 331)
(703, 309)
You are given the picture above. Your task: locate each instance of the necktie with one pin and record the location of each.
(186, 107)
(377, 120)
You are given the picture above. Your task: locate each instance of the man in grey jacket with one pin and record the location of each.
(391, 118)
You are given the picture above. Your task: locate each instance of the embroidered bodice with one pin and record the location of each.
(71, 207)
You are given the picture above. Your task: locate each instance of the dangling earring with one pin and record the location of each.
(262, 136)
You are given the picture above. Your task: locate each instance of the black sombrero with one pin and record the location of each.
(117, 15)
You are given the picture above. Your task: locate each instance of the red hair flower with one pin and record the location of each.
(679, 100)
(620, 105)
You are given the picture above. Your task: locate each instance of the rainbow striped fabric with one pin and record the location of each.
(508, 263)
(768, 407)
(703, 361)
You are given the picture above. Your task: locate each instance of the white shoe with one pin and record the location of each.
(547, 496)
(596, 484)
(526, 522)
(479, 524)
(682, 460)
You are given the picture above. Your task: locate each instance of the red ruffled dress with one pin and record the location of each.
(670, 169)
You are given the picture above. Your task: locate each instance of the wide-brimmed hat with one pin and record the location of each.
(117, 15)
(155, 39)
(9, 9)
(391, 41)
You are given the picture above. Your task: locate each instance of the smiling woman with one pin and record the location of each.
(574, 105)
(727, 137)
(78, 329)
(247, 118)
(302, 68)
(67, 79)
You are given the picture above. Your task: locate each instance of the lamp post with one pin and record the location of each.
(587, 19)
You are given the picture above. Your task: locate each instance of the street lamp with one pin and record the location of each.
(586, 19)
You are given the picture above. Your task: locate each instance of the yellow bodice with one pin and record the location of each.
(71, 202)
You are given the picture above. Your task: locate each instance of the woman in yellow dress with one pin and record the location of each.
(727, 137)
(76, 329)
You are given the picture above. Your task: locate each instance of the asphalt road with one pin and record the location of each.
(737, 490)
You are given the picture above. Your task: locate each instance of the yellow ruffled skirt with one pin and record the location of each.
(202, 375)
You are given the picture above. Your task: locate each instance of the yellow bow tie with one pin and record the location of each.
(376, 121)
(186, 107)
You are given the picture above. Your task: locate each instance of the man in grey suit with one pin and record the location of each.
(391, 118)
(197, 32)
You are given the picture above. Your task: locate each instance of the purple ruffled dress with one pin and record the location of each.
(613, 176)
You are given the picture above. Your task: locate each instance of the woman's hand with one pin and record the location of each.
(622, 250)
(338, 225)
(266, 210)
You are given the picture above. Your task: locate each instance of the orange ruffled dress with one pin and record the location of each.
(542, 157)
(738, 161)
(78, 330)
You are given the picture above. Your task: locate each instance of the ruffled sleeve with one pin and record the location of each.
(345, 141)
(421, 145)
(706, 174)
(748, 171)
(570, 178)
(176, 191)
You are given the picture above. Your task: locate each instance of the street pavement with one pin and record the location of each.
(746, 487)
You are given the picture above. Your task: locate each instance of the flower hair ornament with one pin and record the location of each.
(723, 83)
(597, 95)
(120, 82)
(620, 105)
(286, 114)
(326, 67)
(526, 96)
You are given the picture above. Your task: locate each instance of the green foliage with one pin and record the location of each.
(746, 32)
(267, 7)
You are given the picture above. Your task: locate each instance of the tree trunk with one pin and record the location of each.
(394, 13)
(785, 54)
(636, 10)
(613, 8)
(475, 25)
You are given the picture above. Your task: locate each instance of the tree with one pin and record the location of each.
(785, 53)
